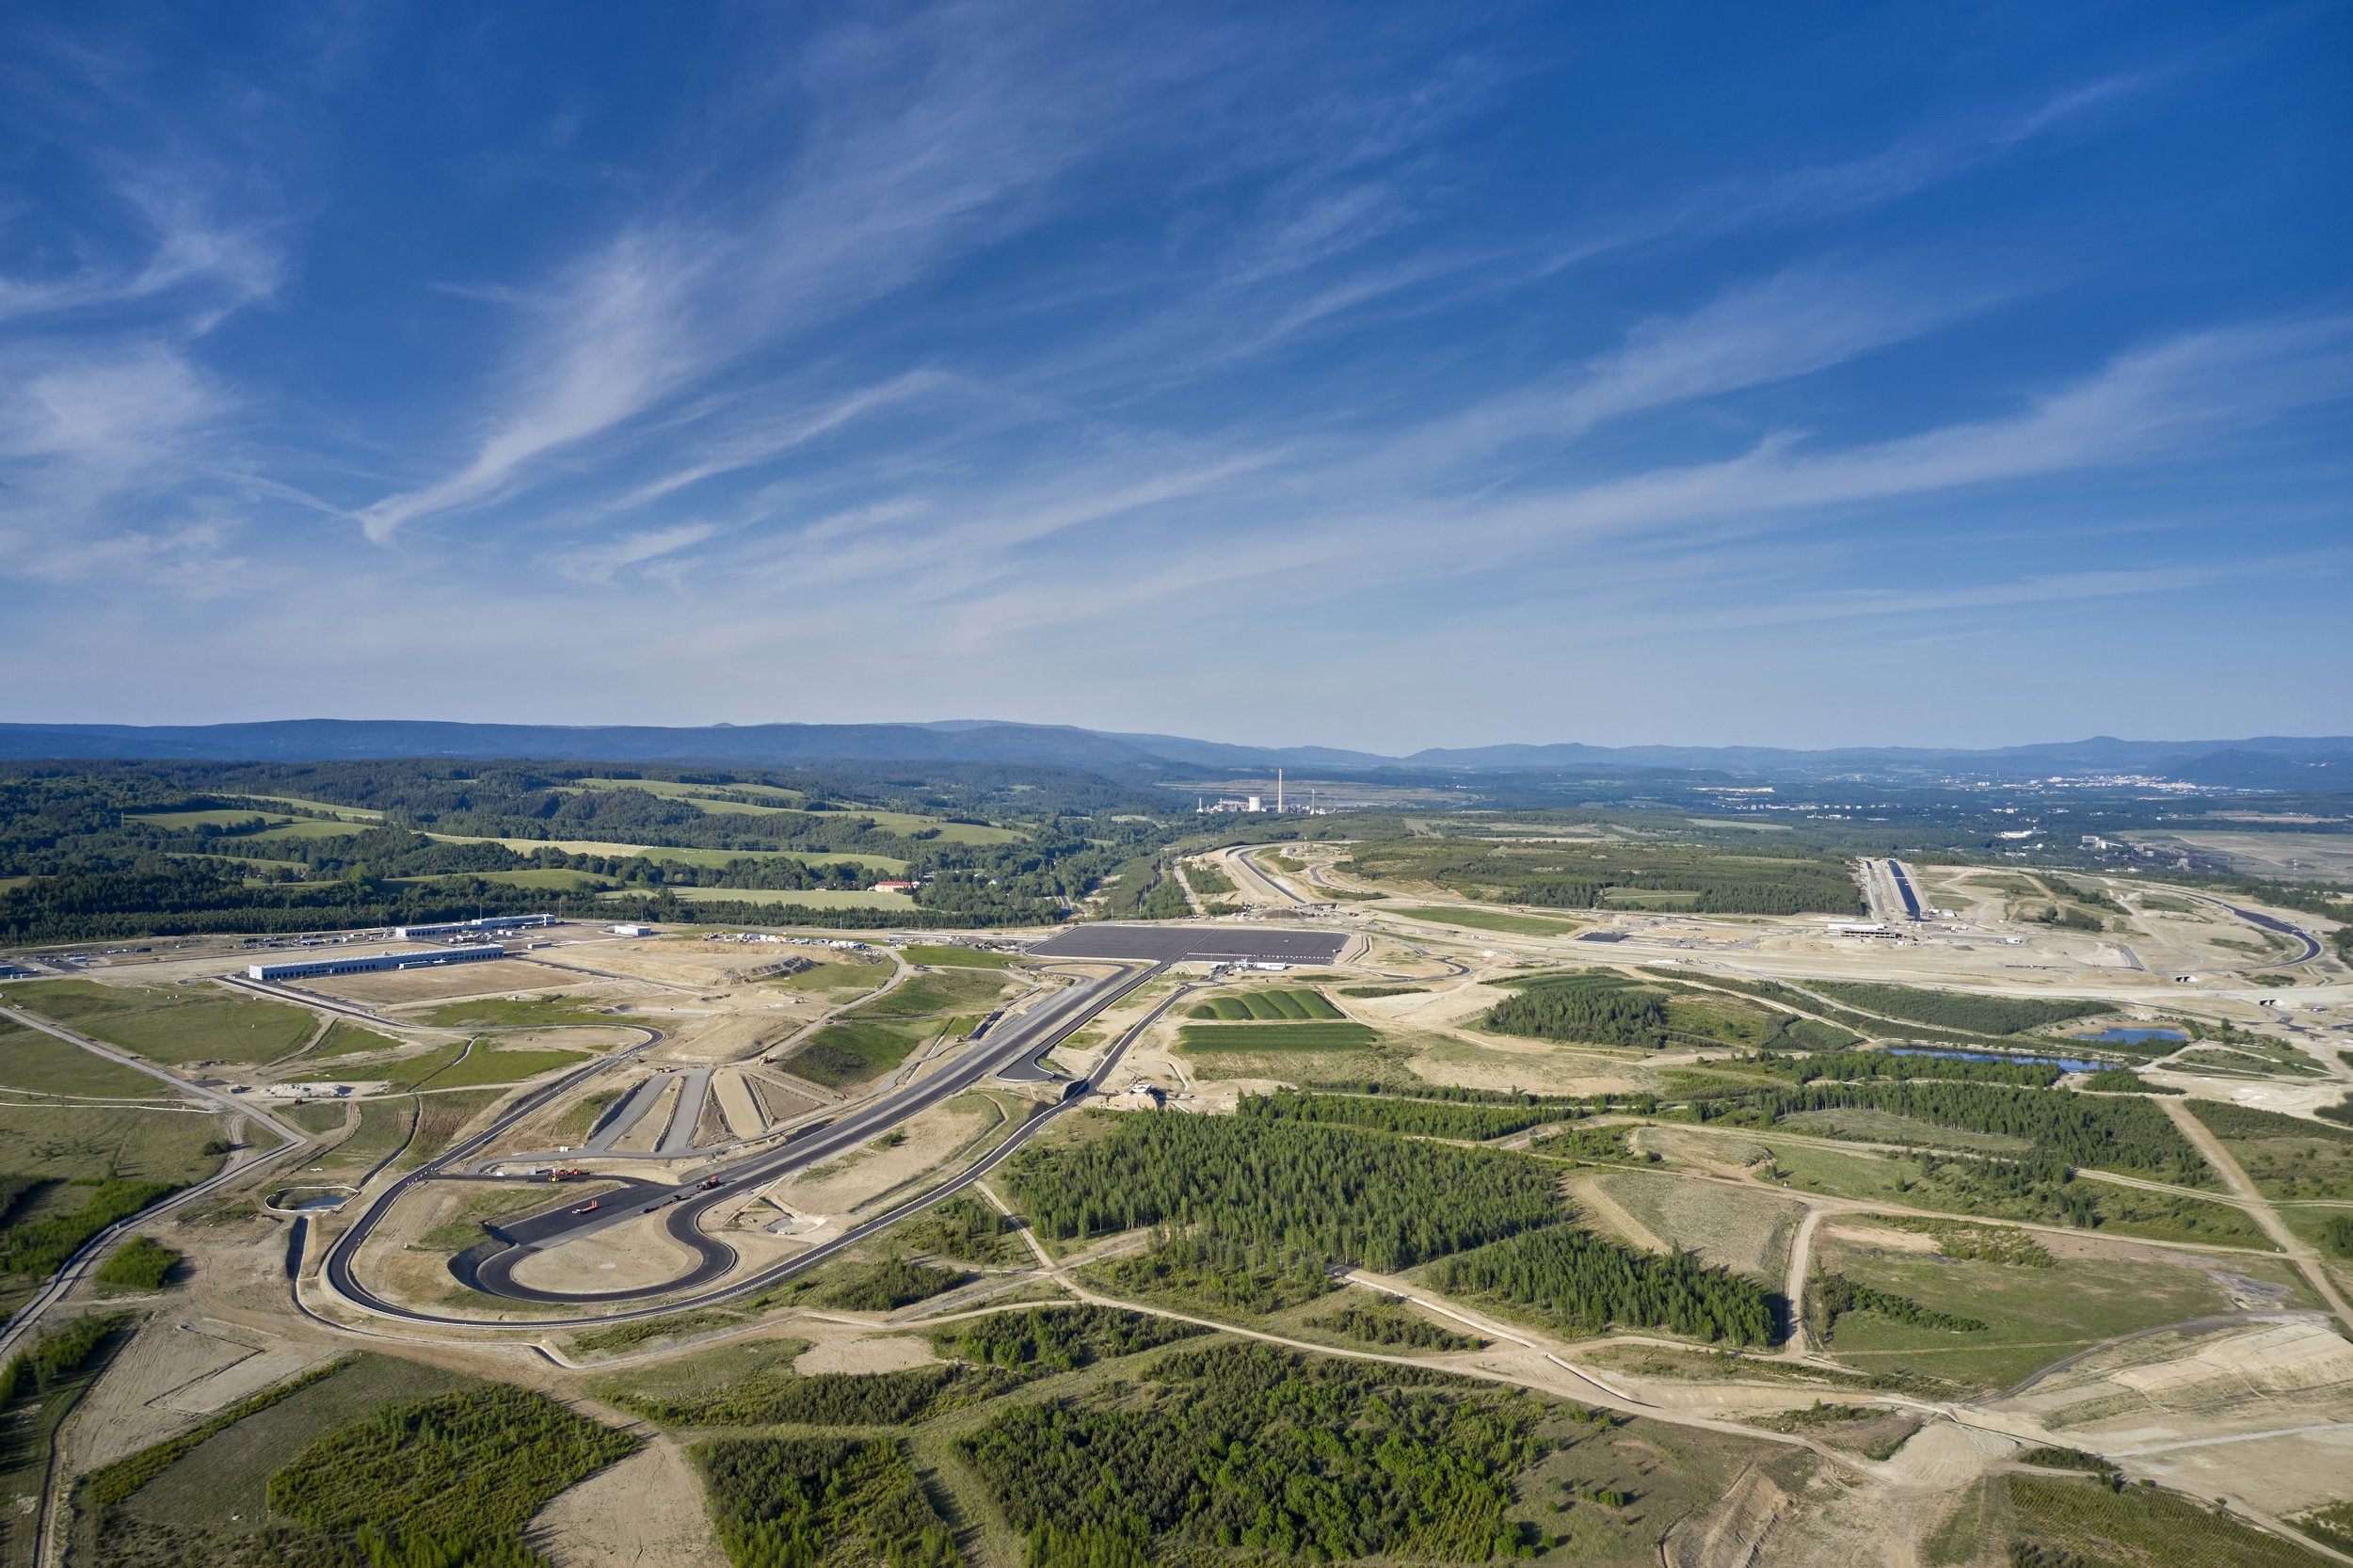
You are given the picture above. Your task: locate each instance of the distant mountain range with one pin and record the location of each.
(2267, 762)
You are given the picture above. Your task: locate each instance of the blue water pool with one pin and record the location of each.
(2135, 1036)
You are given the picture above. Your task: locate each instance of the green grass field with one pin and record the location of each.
(2033, 1316)
(806, 898)
(440, 1117)
(1881, 1126)
(1267, 1007)
(171, 1024)
(502, 1013)
(841, 1054)
(183, 821)
(348, 1039)
(44, 1064)
(1201, 1038)
(383, 1126)
(487, 1063)
(311, 828)
(349, 813)
(927, 995)
(813, 857)
(957, 959)
(1488, 919)
(90, 1143)
(554, 878)
(1896, 1180)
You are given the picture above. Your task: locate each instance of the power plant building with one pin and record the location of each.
(313, 968)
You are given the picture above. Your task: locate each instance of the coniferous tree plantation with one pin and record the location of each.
(1252, 1448)
(797, 1503)
(1284, 1190)
(2127, 1134)
(1582, 1282)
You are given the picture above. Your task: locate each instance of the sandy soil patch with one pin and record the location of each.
(626, 1257)
(1546, 1068)
(1875, 1236)
(842, 1184)
(646, 1511)
(733, 1098)
(177, 1371)
(2272, 1371)
(871, 1352)
(1745, 1231)
(1725, 1153)
(644, 1134)
(2279, 1474)
(499, 977)
(777, 1102)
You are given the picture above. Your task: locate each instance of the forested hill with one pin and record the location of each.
(111, 850)
(2270, 762)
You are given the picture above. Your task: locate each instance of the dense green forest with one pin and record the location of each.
(776, 1395)
(1595, 1006)
(1419, 1118)
(1585, 1283)
(467, 1465)
(2128, 1135)
(1059, 1338)
(1386, 1322)
(1245, 1448)
(797, 1503)
(113, 850)
(1276, 1191)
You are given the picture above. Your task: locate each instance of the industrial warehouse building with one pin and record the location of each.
(462, 928)
(311, 969)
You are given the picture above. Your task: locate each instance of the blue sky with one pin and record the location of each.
(1379, 376)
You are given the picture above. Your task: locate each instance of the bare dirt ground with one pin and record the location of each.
(779, 1102)
(620, 1258)
(840, 1185)
(871, 1352)
(178, 1369)
(646, 1511)
(644, 1134)
(733, 1097)
(403, 987)
(1533, 1066)
(2189, 1407)
(1747, 1232)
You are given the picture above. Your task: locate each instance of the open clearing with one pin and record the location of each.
(1747, 1232)
(807, 898)
(44, 1064)
(1487, 920)
(170, 1024)
(89, 1143)
(2033, 1316)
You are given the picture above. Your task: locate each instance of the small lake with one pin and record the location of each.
(2135, 1036)
(2073, 1064)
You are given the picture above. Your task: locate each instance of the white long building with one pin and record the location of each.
(463, 928)
(312, 969)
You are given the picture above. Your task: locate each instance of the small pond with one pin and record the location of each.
(2135, 1036)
